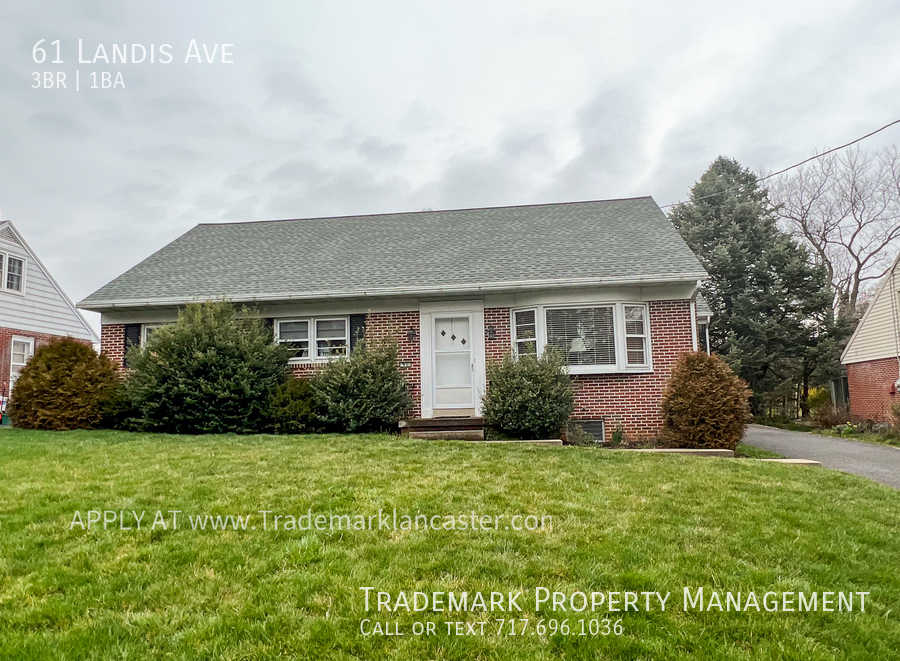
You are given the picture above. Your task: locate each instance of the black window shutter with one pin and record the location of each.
(269, 324)
(132, 339)
(357, 329)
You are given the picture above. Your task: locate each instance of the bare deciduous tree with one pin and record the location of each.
(846, 207)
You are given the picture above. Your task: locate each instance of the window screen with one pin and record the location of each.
(331, 338)
(583, 336)
(295, 334)
(14, 271)
(526, 332)
(636, 334)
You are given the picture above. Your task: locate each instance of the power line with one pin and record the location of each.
(795, 165)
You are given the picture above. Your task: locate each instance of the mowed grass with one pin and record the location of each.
(621, 521)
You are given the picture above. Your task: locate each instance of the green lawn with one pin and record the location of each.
(866, 437)
(621, 521)
(754, 452)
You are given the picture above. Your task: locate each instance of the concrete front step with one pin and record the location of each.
(442, 423)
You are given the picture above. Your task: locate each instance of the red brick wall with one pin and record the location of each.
(6, 335)
(397, 325)
(633, 400)
(112, 342)
(499, 318)
(872, 389)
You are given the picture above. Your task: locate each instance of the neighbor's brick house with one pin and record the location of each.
(872, 356)
(610, 284)
(33, 308)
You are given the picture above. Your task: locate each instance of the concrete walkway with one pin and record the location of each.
(876, 462)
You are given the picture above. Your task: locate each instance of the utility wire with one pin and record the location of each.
(795, 165)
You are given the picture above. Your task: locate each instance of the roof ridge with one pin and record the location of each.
(411, 213)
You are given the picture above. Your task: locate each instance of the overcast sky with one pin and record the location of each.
(334, 108)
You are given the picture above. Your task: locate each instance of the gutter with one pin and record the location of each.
(99, 306)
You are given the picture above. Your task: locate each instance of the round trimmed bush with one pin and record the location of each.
(528, 397)
(365, 392)
(705, 404)
(66, 385)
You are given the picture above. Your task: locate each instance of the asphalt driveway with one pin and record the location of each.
(876, 462)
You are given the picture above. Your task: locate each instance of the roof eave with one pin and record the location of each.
(565, 283)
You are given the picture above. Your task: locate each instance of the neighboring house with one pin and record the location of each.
(872, 356)
(33, 308)
(610, 284)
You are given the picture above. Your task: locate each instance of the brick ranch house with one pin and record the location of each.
(611, 284)
(872, 356)
(33, 308)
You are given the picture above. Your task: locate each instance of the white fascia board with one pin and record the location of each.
(561, 283)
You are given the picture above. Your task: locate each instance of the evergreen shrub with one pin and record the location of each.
(65, 385)
(213, 371)
(529, 397)
(365, 392)
(705, 405)
(292, 408)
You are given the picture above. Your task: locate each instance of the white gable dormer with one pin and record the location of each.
(30, 299)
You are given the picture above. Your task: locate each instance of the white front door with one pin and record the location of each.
(452, 358)
(453, 365)
(22, 351)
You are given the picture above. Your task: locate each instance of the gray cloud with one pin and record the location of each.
(57, 124)
(295, 89)
(367, 108)
(379, 151)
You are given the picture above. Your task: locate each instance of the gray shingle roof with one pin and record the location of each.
(703, 309)
(611, 241)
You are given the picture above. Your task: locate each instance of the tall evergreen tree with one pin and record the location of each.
(770, 303)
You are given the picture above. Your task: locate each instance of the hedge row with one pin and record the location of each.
(217, 370)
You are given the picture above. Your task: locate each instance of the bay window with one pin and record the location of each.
(583, 336)
(591, 338)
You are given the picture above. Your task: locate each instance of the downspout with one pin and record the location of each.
(694, 323)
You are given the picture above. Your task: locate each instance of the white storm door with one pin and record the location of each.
(453, 364)
(22, 351)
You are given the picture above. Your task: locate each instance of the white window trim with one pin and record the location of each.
(18, 338)
(645, 335)
(538, 333)
(4, 271)
(313, 338)
(145, 327)
(621, 366)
